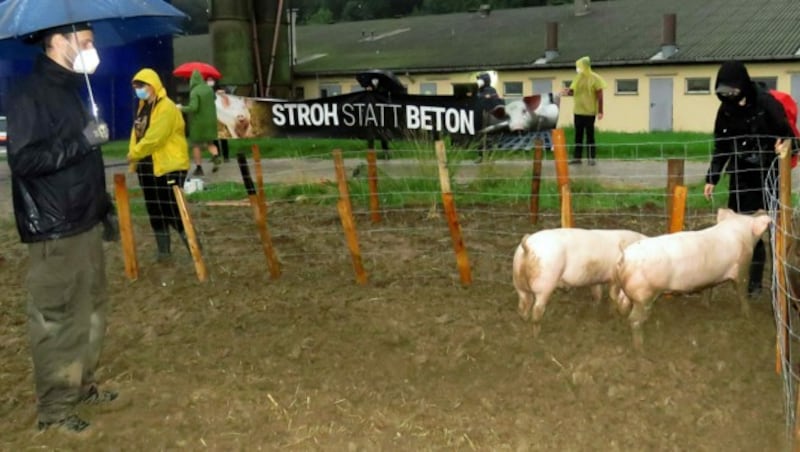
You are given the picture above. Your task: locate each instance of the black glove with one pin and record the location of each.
(96, 132)
(110, 224)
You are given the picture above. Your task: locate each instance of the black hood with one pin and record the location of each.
(487, 79)
(733, 75)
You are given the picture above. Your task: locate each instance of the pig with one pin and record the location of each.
(686, 262)
(234, 113)
(565, 257)
(534, 113)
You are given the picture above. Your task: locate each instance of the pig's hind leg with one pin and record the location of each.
(637, 317)
(538, 310)
(525, 304)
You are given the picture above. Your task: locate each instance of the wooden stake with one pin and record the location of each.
(462, 259)
(259, 176)
(567, 220)
(260, 217)
(346, 215)
(191, 237)
(781, 240)
(372, 180)
(536, 180)
(560, 158)
(126, 227)
(675, 172)
(678, 209)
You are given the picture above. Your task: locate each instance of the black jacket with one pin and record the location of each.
(57, 179)
(744, 138)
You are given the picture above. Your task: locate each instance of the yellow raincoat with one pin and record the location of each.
(165, 138)
(585, 86)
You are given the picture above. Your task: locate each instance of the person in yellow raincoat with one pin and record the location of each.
(587, 87)
(160, 153)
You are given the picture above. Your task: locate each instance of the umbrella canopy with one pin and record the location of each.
(206, 70)
(115, 22)
(387, 81)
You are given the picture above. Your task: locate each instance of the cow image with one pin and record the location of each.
(531, 113)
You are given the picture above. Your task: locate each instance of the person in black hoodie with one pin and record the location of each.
(60, 204)
(487, 99)
(749, 128)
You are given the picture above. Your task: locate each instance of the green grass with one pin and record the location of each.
(610, 144)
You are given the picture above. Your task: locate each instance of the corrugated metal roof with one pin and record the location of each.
(613, 33)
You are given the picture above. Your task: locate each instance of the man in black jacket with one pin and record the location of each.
(60, 203)
(750, 127)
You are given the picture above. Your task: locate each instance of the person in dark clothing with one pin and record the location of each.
(60, 203)
(749, 128)
(487, 99)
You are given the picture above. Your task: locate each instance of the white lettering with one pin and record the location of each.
(278, 117)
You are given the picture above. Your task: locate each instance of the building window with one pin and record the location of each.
(769, 82)
(427, 89)
(512, 89)
(627, 86)
(698, 85)
(329, 89)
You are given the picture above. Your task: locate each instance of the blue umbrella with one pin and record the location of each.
(114, 22)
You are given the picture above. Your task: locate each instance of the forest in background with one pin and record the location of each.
(332, 11)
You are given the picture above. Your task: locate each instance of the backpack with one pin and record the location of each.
(790, 108)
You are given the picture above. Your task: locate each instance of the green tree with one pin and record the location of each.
(321, 16)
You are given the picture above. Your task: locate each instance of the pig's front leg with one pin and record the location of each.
(597, 293)
(740, 283)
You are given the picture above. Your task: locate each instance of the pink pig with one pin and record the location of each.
(565, 257)
(234, 113)
(686, 262)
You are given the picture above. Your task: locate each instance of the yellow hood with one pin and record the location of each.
(584, 65)
(150, 77)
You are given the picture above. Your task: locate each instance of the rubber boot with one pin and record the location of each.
(163, 243)
(754, 286)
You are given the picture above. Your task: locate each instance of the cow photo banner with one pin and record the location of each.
(367, 114)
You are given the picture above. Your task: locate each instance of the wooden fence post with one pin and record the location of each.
(536, 180)
(346, 215)
(126, 227)
(560, 158)
(677, 209)
(567, 220)
(372, 180)
(462, 259)
(191, 236)
(675, 172)
(260, 216)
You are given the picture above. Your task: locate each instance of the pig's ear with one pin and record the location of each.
(499, 112)
(532, 102)
(723, 213)
(224, 100)
(760, 224)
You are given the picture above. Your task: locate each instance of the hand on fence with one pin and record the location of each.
(782, 147)
(708, 190)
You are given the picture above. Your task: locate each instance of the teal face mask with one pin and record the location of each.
(141, 93)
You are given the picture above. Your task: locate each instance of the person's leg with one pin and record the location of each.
(152, 193)
(58, 326)
(198, 160)
(590, 144)
(754, 285)
(215, 158)
(580, 127)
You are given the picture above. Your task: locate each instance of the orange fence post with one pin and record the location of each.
(346, 215)
(462, 259)
(126, 227)
(536, 180)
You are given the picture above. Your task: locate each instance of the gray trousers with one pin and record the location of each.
(66, 318)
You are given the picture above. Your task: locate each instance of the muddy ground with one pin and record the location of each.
(411, 361)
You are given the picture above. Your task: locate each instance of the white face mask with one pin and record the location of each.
(86, 61)
(480, 83)
(210, 82)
